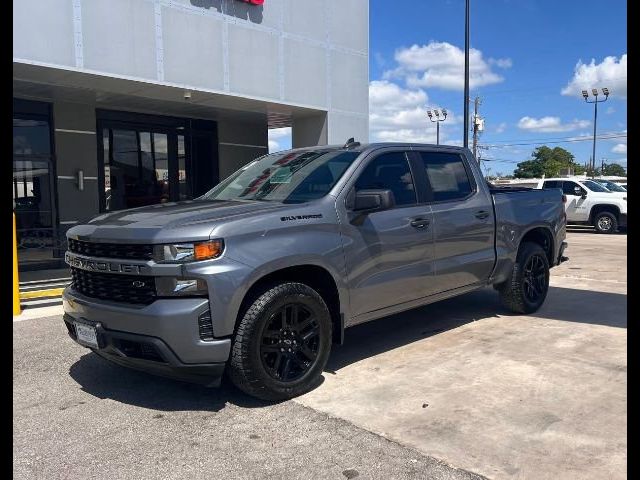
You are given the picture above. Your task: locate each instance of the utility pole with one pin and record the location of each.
(466, 75)
(476, 125)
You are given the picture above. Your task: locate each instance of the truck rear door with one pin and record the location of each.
(463, 219)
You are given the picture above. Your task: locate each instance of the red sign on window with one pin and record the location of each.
(254, 2)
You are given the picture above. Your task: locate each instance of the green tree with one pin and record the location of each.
(614, 169)
(546, 161)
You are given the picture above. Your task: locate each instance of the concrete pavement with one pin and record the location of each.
(503, 395)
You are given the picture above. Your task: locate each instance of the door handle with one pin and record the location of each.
(420, 223)
(482, 214)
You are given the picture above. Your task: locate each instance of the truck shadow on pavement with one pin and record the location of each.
(103, 379)
(564, 304)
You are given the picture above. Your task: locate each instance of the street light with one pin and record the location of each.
(585, 95)
(437, 121)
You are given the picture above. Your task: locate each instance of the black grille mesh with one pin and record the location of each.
(112, 250)
(113, 287)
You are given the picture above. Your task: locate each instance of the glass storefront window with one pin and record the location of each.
(184, 188)
(149, 160)
(31, 137)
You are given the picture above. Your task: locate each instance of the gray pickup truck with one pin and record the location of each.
(259, 276)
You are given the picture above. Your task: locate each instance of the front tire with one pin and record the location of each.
(526, 289)
(605, 222)
(282, 343)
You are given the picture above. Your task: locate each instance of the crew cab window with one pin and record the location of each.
(568, 188)
(390, 171)
(448, 179)
(549, 184)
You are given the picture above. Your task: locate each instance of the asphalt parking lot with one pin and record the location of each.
(459, 389)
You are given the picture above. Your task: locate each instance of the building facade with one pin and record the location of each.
(123, 103)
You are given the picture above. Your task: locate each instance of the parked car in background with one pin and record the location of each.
(590, 203)
(612, 186)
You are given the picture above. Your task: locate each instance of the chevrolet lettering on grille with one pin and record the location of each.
(100, 266)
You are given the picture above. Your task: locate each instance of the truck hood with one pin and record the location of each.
(177, 221)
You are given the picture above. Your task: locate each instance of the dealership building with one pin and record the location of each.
(124, 103)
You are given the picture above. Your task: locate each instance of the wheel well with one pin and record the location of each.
(312, 275)
(596, 209)
(541, 236)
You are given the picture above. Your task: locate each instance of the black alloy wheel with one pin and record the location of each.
(290, 341)
(526, 288)
(282, 342)
(534, 278)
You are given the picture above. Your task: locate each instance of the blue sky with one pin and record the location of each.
(529, 61)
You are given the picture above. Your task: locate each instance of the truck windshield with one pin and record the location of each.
(595, 186)
(614, 187)
(294, 177)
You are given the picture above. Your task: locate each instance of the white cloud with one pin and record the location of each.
(441, 65)
(550, 124)
(620, 148)
(273, 146)
(501, 127)
(611, 73)
(399, 114)
(279, 139)
(275, 133)
(610, 110)
(501, 62)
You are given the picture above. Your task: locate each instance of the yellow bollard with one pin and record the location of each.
(16, 281)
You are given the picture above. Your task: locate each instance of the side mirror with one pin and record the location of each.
(584, 196)
(373, 200)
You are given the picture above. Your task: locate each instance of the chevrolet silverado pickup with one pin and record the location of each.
(261, 275)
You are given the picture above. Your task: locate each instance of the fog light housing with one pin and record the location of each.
(205, 326)
(181, 287)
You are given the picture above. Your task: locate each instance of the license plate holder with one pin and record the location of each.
(86, 334)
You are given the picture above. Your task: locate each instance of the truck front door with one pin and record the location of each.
(388, 253)
(576, 206)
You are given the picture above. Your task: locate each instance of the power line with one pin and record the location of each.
(590, 138)
(569, 137)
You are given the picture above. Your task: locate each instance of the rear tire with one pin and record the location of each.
(526, 289)
(282, 343)
(605, 222)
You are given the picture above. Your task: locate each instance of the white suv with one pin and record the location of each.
(590, 203)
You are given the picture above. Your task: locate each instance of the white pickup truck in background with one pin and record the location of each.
(590, 203)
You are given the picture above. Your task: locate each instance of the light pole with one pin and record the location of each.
(466, 74)
(595, 102)
(437, 121)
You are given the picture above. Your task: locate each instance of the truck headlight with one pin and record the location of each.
(177, 287)
(188, 252)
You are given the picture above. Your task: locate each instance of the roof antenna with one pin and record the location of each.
(351, 143)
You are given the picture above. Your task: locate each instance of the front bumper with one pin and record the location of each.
(147, 354)
(168, 328)
(622, 220)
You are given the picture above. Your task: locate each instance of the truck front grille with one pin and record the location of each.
(116, 288)
(111, 250)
